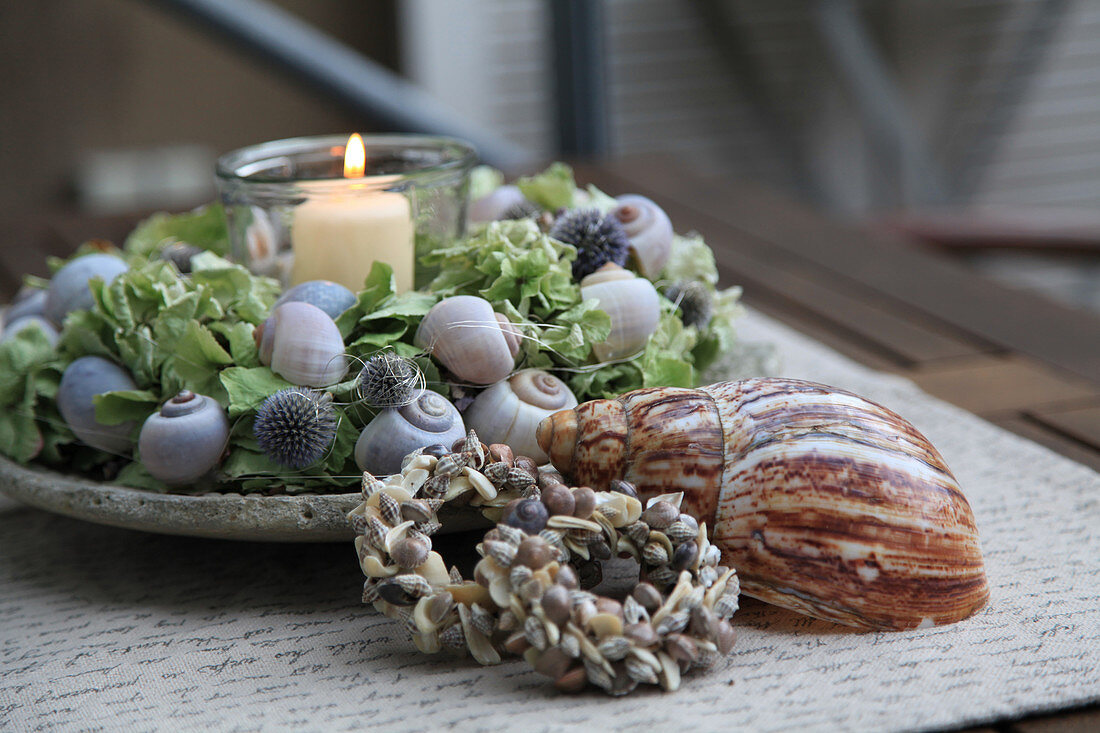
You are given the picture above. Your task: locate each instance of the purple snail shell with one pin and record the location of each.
(824, 502)
(477, 345)
(185, 439)
(395, 432)
(85, 378)
(332, 298)
(68, 289)
(34, 321)
(302, 345)
(28, 302)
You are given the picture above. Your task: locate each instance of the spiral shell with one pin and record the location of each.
(650, 232)
(394, 433)
(632, 304)
(509, 412)
(185, 439)
(302, 345)
(824, 502)
(474, 343)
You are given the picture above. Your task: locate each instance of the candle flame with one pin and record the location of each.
(355, 157)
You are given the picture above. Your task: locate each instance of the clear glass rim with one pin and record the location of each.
(458, 155)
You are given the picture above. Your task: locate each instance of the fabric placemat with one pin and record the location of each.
(104, 628)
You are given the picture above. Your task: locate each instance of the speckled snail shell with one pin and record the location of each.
(302, 345)
(185, 439)
(493, 205)
(477, 345)
(631, 302)
(824, 502)
(510, 411)
(650, 233)
(429, 419)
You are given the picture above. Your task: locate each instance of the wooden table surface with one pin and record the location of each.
(1016, 359)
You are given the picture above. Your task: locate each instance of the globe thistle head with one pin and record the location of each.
(389, 380)
(523, 210)
(295, 426)
(694, 300)
(599, 239)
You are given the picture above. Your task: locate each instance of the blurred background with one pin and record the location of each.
(973, 125)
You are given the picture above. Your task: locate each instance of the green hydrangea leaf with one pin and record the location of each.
(552, 189)
(136, 476)
(690, 259)
(379, 285)
(204, 227)
(119, 406)
(248, 388)
(484, 179)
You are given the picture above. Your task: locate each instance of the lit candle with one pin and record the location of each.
(338, 237)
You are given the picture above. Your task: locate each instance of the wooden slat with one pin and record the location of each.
(1037, 432)
(1080, 423)
(1004, 384)
(936, 287)
(1082, 721)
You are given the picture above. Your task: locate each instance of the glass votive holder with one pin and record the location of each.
(296, 212)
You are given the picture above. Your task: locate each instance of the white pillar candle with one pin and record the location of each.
(339, 237)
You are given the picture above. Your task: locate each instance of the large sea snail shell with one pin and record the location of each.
(185, 439)
(302, 345)
(509, 412)
(824, 502)
(474, 343)
(650, 233)
(632, 304)
(395, 432)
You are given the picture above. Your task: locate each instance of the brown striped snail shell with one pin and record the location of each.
(476, 344)
(650, 232)
(302, 344)
(824, 502)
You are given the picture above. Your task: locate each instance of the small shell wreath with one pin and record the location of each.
(818, 501)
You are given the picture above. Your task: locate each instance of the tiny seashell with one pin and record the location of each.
(712, 555)
(614, 648)
(584, 500)
(553, 663)
(638, 532)
(403, 590)
(529, 515)
(396, 533)
(534, 552)
(428, 528)
(597, 675)
(478, 644)
(605, 624)
(414, 479)
(669, 676)
(640, 670)
(503, 552)
(370, 485)
(458, 486)
(482, 620)
(501, 453)
(681, 648)
(633, 612)
(510, 534)
(673, 622)
(558, 499)
(436, 487)
(726, 606)
(482, 485)
(535, 633)
(567, 577)
(571, 523)
(451, 464)
(358, 523)
(679, 532)
(370, 591)
(622, 683)
(518, 480)
(420, 460)
(410, 552)
(507, 621)
(684, 556)
(456, 576)
(439, 606)
(660, 515)
(654, 554)
(642, 634)
(376, 532)
(707, 576)
(704, 622)
(497, 472)
(599, 550)
(532, 589)
(693, 599)
(727, 637)
(519, 574)
(552, 536)
(416, 510)
(662, 576)
(389, 508)
(517, 643)
(570, 646)
(453, 637)
(557, 605)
